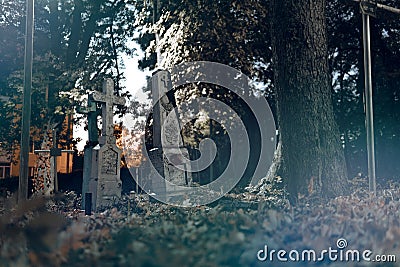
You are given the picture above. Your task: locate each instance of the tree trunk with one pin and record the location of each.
(312, 156)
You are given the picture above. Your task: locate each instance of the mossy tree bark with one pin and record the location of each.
(312, 155)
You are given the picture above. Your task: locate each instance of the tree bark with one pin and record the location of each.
(312, 156)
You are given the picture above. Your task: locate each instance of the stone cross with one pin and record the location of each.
(51, 183)
(108, 100)
(102, 163)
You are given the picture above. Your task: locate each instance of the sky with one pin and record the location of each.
(135, 80)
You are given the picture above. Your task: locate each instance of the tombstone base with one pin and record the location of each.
(90, 172)
(109, 185)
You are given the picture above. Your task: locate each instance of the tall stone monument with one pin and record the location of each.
(90, 151)
(168, 149)
(103, 170)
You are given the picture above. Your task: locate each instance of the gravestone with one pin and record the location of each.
(45, 179)
(42, 181)
(104, 160)
(90, 152)
(168, 153)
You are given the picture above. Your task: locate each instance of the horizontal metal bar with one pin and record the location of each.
(47, 150)
(384, 7)
(389, 8)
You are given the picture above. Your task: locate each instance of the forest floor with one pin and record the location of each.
(236, 231)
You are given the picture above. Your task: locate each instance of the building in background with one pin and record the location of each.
(8, 168)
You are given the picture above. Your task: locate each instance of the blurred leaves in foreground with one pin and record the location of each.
(137, 232)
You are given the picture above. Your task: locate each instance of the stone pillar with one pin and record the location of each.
(168, 150)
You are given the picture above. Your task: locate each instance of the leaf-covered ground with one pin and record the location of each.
(137, 232)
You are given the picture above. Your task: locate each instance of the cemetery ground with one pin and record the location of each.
(139, 232)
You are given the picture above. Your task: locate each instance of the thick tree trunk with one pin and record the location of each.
(313, 159)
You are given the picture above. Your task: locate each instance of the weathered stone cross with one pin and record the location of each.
(108, 100)
(101, 174)
(51, 183)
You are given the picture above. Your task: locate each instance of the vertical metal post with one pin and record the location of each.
(54, 159)
(369, 103)
(211, 178)
(69, 124)
(26, 107)
(88, 203)
(137, 180)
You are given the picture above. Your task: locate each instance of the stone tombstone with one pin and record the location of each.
(109, 184)
(104, 159)
(45, 181)
(168, 148)
(90, 172)
(91, 150)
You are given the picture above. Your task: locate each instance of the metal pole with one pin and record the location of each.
(69, 124)
(88, 204)
(388, 8)
(211, 178)
(369, 103)
(54, 159)
(383, 7)
(137, 179)
(26, 108)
